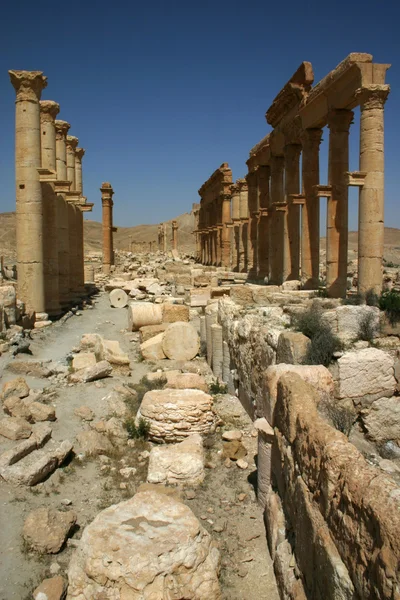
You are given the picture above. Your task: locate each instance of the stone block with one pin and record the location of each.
(143, 313)
(100, 370)
(149, 331)
(46, 529)
(174, 312)
(16, 387)
(8, 302)
(182, 381)
(15, 428)
(382, 420)
(152, 349)
(83, 360)
(178, 464)
(181, 342)
(198, 296)
(366, 375)
(292, 348)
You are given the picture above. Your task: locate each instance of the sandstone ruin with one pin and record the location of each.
(206, 425)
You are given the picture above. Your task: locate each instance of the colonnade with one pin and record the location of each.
(274, 214)
(49, 202)
(162, 239)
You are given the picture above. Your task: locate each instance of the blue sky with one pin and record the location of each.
(161, 93)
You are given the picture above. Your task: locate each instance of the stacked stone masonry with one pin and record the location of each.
(49, 202)
(268, 224)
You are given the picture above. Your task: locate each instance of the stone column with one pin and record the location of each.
(244, 226)
(337, 221)
(264, 174)
(174, 235)
(252, 183)
(226, 233)
(107, 203)
(165, 236)
(217, 350)
(72, 143)
(62, 128)
(310, 140)
(291, 248)
(79, 154)
(29, 230)
(235, 195)
(371, 199)
(73, 250)
(48, 112)
(277, 220)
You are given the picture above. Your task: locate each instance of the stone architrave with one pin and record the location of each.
(62, 128)
(371, 200)
(107, 203)
(29, 205)
(310, 139)
(337, 221)
(48, 112)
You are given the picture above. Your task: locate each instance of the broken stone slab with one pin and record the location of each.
(173, 415)
(175, 312)
(16, 407)
(382, 420)
(232, 435)
(178, 464)
(181, 342)
(41, 433)
(100, 370)
(41, 412)
(16, 387)
(152, 349)
(292, 348)
(37, 465)
(143, 313)
(93, 443)
(113, 353)
(169, 545)
(53, 588)
(118, 298)
(149, 331)
(83, 360)
(46, 529)
(33, 368)
(182, 381)
(15, 428)
(234, 450)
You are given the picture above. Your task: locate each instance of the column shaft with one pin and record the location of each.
(277, 221)
(371, 200)
(226, 232)
(291, 249)
(263, 233)
(311, 139)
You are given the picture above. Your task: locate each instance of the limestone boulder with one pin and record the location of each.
(155, 548)
(366, 375)
(45, 529)
(178, 464)
(182, 381)
(85, 413)
(317, 375)
(16, 387)
(382, 420)
(41, 412)
(181, 342)
(34, 368)
(16, 407)
(350, 319)
(152, 349)
(53, 588)
(93, 443)
(174, 415)
(292, 348)
(175, 312)
(100, 370)
(83, 360)
(15, 428)
(149, 331)
(143, 313)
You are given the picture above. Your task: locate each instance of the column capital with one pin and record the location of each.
(373, 96)
(28, 85)
(339, 120)
(292, 151)
(79, 153)
(62, 128)
(106, 191)
(72, 142)
(311, 138)
(48, 110)
(277, 163)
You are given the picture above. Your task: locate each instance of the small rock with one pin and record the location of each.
(45, 529)
(230, 436)
(85, 413)
(234, 450)
(15, 428)
(242, 464)
(241, 497)
(16, 387)
(51, 589)
(127, 472)
(190, 494)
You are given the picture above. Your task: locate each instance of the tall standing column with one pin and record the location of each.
(226, 232)
(79, 154)
(72, 143)
(174, 235)
(252, 183)
(244, 226)
(337, 214)
(235, 195)
(28, 86)
(107, 202)
(48, 112)
(371, 199)
(291, 249)
(277, 221)
(264, 174)
(165, 236)
(62, 128)
(310, 140)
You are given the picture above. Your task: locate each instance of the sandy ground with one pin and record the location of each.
(225, 503)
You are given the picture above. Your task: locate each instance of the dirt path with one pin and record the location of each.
(225, 504)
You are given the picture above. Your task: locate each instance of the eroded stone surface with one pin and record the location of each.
(176, 464)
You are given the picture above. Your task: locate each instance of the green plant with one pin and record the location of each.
(367, 327)
(218, 388)
(139, 431)
(371, 298)
(390, 264)
(323, 342)
(353, 300)
(390, 303)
